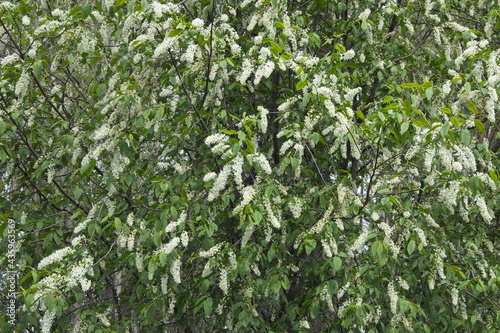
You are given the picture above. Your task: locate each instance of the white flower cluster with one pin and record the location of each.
(364, 15)
(466, 157)
(198, 23)
(449, 195)
(325, 296)
(47, 320)
(348, 55)
(358, 244)
(219, 183)
(430, 221)
(327, 250)
(212, 251)
(167, 44)
(454, 296)
(22, 84)
(173, 225)
(9, 60)
(57, 256)
(304, 324)
(262, 161)
(388, 230)
(246, 236)
(246, 71)
(350, 93)
(403, 283)
(421, 236)
(273, 219)
(263, 118)
(184, 238)
(393, 296)
(170, 246)
(483, 209)
(264, 70)
(295, 207)
(207, 270)
(223, 282)
(175, 270)
(248, 194)
(218, 141)
(287, 104)
(209, 176)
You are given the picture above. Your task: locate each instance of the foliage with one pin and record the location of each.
(240, 166)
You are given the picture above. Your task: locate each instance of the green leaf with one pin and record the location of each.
(360, 115)
(472, 107)
(101, 89)
(301, 84)
(340, 48)
(315, 137)
(455, 122)
(145, 5)
(86, 9)
(159, 114)
(270, 254)
(480, 126)
(411, 247)
(337, 263)
(50, 301)
(37, 67)
(465, 136)
(306, 98)
(276, 46)
(175, 32)
(409, 85)
(257, 216)
(118, 224)
(207, 306)
(474, 184)
(3, 127)
(404, 127)
(294, 162)
(444, 130)
(87, 168)
(310, 246)
(150, 313)
(428, 93)
(279, 25)
(381, 116)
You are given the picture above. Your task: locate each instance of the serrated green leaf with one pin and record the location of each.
(465, 136)
(472, 107)
(159, 113)
(474, 184)
(315, 137)
(337, 263)
(404, 127)
(118, 224)
(50, 301)
(86, 9)
(101, 89)
(411, 246)
(428, 93)
(301, 84)
(306, 98)
(480, 126)
(37, 67)
(145, 5)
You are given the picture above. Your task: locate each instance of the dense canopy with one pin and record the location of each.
(250, 166)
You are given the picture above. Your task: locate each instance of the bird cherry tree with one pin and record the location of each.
(251, 166)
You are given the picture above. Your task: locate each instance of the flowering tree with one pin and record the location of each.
(260, 166)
